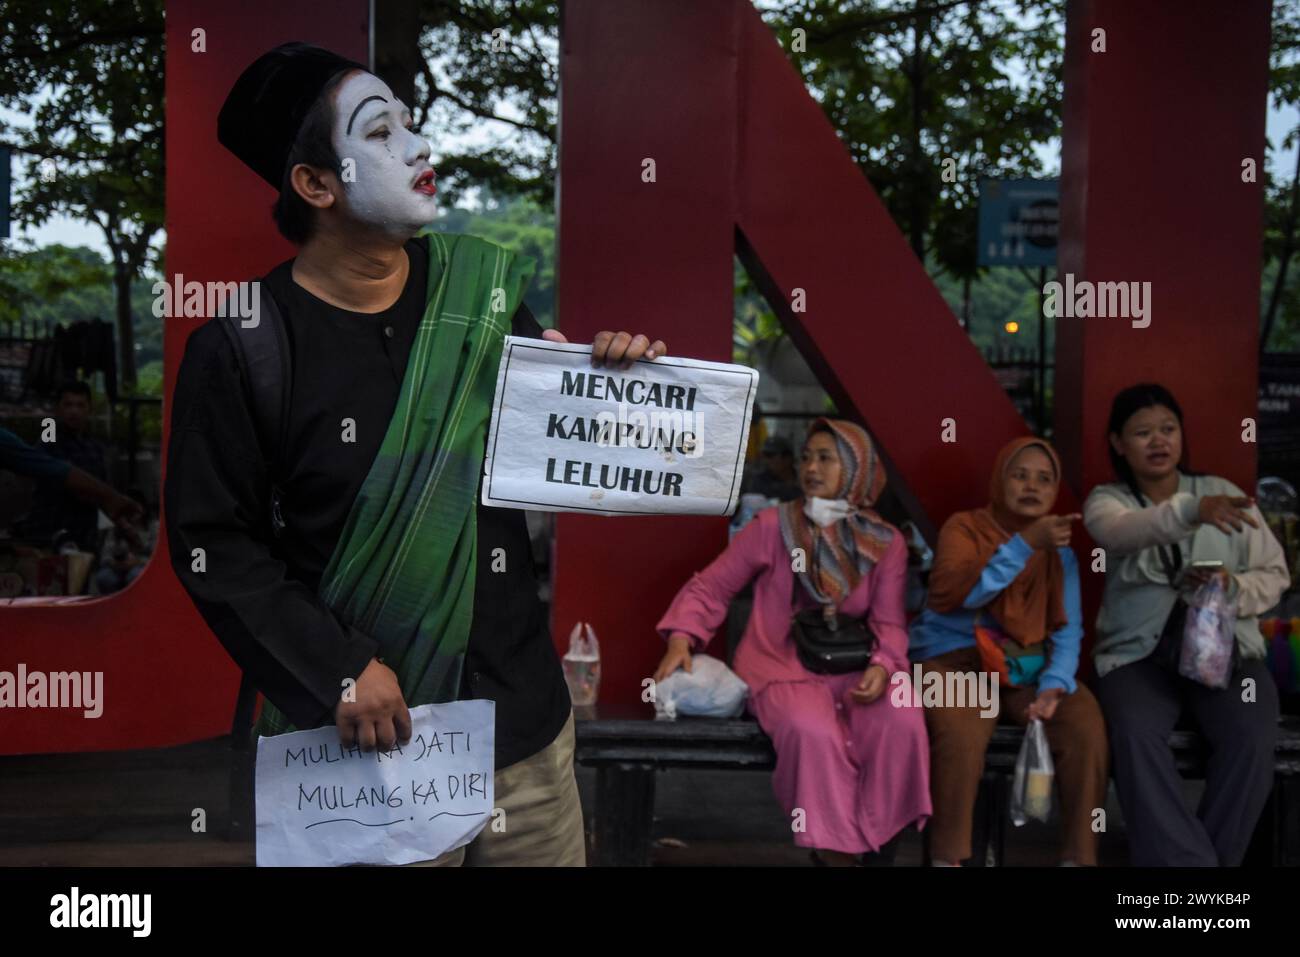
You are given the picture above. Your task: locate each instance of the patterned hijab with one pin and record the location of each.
(840, 554)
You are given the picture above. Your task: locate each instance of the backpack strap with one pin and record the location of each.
(263, 354)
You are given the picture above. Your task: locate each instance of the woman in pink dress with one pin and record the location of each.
(852, 769)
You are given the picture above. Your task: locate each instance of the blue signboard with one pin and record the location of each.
(1018, 221)
(4, 192)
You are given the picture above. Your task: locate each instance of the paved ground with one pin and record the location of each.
(138, 808)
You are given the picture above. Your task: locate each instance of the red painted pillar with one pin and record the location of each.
(642, 81)
(166, 679)
(744, 157)
(1156, 129)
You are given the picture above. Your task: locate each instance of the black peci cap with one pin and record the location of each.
(268, 103)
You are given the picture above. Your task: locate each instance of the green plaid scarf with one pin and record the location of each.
(403, 569)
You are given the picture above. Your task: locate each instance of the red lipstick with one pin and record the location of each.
(424, 183)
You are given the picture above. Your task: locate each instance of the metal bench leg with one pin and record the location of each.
(1263, 848)
(999, 811)
(625, 803)
(243, 761)
(242, 765)
(1274, 843)
(1286, 795)
(982, 821)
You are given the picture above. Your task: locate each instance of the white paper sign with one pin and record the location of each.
(319, 805)
(665, 436)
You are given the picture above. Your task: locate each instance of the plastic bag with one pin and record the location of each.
(582, 665)
(1031, 790)
(710, 689)
(1209, 636)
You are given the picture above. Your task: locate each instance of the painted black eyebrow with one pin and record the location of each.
(374, 96)
(406, 110)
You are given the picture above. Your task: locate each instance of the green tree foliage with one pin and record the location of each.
(494, 61)
(42, 287)
(910, 84)
(1280, 292)
(906, 85)
(520, 224)
(90, 75)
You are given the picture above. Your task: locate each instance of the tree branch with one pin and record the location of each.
(77, 40)
(479, 111)
(1284, 260)
(868, 22)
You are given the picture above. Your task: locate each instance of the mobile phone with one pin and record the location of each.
(1208, 563)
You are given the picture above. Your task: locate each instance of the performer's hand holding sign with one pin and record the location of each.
(379, 715)
(616, 348)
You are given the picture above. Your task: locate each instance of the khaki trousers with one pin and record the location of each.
(542, 821)
(959, 737)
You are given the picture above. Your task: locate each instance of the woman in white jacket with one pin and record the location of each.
(1156, 523)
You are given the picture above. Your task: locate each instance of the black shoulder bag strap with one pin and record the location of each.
(264, 359)
(262, 352)
(832, 622)
(1171, 564)
(1169, 646)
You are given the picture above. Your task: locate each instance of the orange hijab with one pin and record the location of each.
(1033, 605)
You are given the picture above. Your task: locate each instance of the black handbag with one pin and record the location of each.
(830, 645)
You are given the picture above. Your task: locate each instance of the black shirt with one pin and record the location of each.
(259, 594)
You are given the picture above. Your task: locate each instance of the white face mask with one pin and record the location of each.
(386, 159)
(826, 511)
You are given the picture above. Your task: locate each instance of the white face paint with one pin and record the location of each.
(388, 160)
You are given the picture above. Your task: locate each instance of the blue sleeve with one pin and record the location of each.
(1066, 639)
(17, 456)
(1007, 562)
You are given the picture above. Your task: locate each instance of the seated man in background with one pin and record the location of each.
(26, 461)
(22, 459)
(774, 476)
(54, 509)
